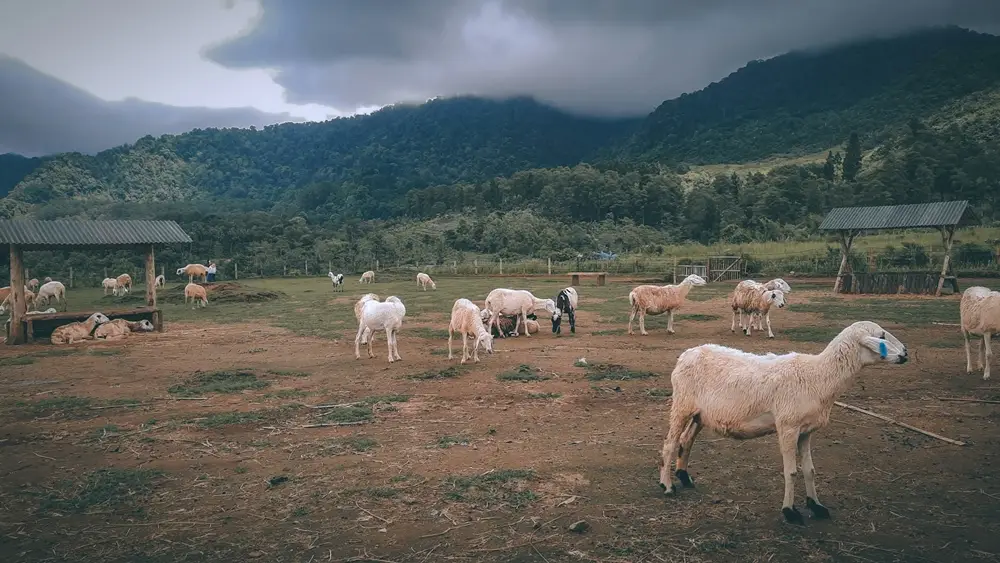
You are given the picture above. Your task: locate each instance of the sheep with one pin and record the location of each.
(337, 279)
(505, 323)
(755, 300)
(979, 311)
(566, 302)
(367, 277)
(467, 319)
(423, 280)
(658, 299)
(47, 279)
(48, 311)
(194, 271)
(50, 290)
(357, 314)
(110, 283)
(745, 285)
(160, 281)
(121, 328)
(387, 315)
(195, 292)
(744, 396)
(125, 282)
(75, 332)
(515, 301)
(33, 284)
(29, 301)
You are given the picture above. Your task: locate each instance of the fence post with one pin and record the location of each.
(284, 270)
(307, 268)
(329, 266)
(71, 277)
(105, 272)
(550, 265)
(501, 266)
(454, 267)
(475, 264)
(236, 270)
(675, 270)
(376, 265)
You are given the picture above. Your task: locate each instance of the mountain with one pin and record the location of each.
(41, 114)
(803, 102)
(13, 169)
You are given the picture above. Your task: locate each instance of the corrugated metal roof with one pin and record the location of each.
(25, 232)
(937, 214)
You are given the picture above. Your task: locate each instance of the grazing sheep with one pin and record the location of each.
(467, 319)
(357, 314)
(423, 280)
(195, 292)
(161, 281)
(743, 396)
(519, 302)
(757, 301)
(51, 290)
(367, 277)
(33, 284)
(121, 328)
(337, 279)
(125, 281)
(387, 315)
(658, 299)
(75, 332)
(29, 301)
(110, 283)
(566, 302)
(980, 314)
(193, 271)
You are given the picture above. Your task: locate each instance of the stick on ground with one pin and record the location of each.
(896, 422)
(963, 400)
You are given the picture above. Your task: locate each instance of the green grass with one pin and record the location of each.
(429, 333)
(69, 406)
(445, 373)
(696, 317)
(449, 441)
(214, 420)
(287, 373)
(488, 490)
(103, 490)
(385, 399)
(523, 372)
(884, 310)
(657, 392)
(381, 492)
(287, 394)
(601, 372)
(17, 361)
(226, 381)
(347, 415)
(610, 332)
(812, 333)
(351, 444)
(106, 352)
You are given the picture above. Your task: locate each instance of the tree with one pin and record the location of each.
(852, 158)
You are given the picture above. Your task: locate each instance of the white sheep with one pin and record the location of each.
(160, 281)
(357, 314)
(466, 318)
(120, 328)
(337, 279)
(51, 290)
(743, 396)
(75, 332)
(423, 280)
(745, 285)
(755, 300)
(48, 311)
(110, 283)
(502, 301)
(658, 299)
(33, 284)
(124, 282)
(387, 315)
(980, 315)
(367, 277)
(5, 295)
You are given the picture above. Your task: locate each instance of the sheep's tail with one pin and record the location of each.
(631, 298)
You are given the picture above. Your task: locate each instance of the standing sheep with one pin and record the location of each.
(755, 300)
(519, 302)
(980, 314)
(387, 315)
(658, 299)
(160, 281)
(423, 280)
(357, 314)
(745, 396)
(467, 319)
(566, 302)
(33, 284)
(193, 271)
(337, 280)
(110, 283)
(75, 332)
(52, 290)
(195, 292)
(125, 281)
(745, 285)
(367, 277)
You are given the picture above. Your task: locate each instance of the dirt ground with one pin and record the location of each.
(111, 452)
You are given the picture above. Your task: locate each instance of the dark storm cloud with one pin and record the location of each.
(40, 115)
(596, 56)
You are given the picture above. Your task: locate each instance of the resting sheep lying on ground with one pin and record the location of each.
(658, 299)
(980, 314)
(466, 318)
(387, 315)
(121, 328)
(744, 396)
(78, 331)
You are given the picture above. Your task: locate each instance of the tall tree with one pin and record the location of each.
(852, 158)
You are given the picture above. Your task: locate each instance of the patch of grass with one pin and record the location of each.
(287, 373)
(697, 317)
(347, 414)
(503, 486)
(105, 431)
(953, 341)
(240, 469)
(105, 352)
(286, 394)
(657, 392)
(439, 352)
(449, 441)
(812, 333)
(610, 332)
(300, 512)
(225, 381)
(276, 481)
(104, 489)
(67, 406)
(17, 361)
(446, 373)
(892, 309)
(544, 395)
(359, 443)
(524, 372)
(600, 372)
(215, 420)
(56, 352)
(429, 333)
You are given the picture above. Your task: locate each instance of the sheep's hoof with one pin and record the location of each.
(793, 515)
(670, 332)
(672, 490)
(684, 478)
(770, 336)
(819, 511)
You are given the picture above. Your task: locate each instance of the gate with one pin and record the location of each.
(724, 268)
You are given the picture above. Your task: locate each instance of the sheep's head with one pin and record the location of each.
(778, 283)
(99, 318)
(878, 344)
(180, 271)
(485, 314)
(487, 341)
(694, 279)
(143, 326)
(433, 285)
(776, 297)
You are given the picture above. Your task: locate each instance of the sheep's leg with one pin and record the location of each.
(525, 315)
(670, 321)
(809, 473)
(732, 327)
(989, 354)
(684, 453)
(768, 319)
(475, 347)
(495, 321)
(449, 343)
(749, 327)
(642, 322)
(465, 346)
(395, 342)
(371, 353)
(787, 441)
(388, 336)
(631, 317)
(678, 422)
(572, 321)
(968, 352)
(357, 342)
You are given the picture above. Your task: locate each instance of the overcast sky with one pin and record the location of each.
(283, 60)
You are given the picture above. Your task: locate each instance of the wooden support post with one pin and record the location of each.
(236, 270)
(307, 268)
(150, 278)
(550, 266)
(18, 305)
(475, 265)
(947, 236)
(846, 240)
(71, 277)
(501, 268)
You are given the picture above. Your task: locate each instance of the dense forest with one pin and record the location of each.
(906, 120)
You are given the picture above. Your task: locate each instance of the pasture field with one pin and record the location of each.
(201, 443)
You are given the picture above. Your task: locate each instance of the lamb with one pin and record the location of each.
(423, 280)
(744, 396)
(566, 302)
(160, 281)
(337, 279)
(50, 290)
(755, 300)
(387, 315)
(980, 315)
(357, 314)
(367, 277)
(193, 271)
(467, 319)
(33, 284)
(29, 300)
(110, 283)
(125, 282)
(659, 299)
(195, 292)
(121, 328)
(75, 332)
(502, 301)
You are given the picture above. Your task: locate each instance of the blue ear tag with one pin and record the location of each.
(882, 349)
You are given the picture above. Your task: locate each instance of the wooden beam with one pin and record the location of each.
(150, 278)
(18, 305)
(846, 240)
(948, 237)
